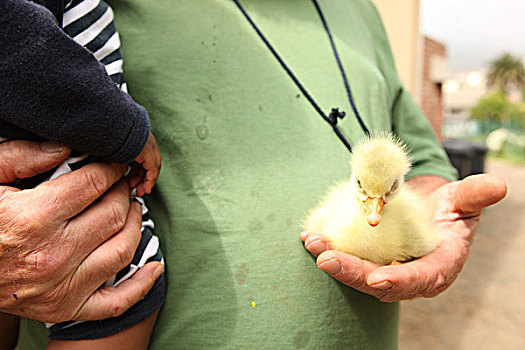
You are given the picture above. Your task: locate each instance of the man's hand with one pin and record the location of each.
(457, 207)
(23, 159)
(58, 246)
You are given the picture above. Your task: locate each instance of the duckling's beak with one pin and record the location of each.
(374, 208)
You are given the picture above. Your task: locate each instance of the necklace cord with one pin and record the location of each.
(341, 69)
(335, 114)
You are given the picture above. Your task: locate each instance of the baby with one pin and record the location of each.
(61, 79)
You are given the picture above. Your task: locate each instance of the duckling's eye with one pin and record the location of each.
(394, 185)
(360, 187)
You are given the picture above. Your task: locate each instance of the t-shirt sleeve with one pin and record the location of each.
(56, 89)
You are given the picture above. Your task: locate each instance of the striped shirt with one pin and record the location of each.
(90, 23)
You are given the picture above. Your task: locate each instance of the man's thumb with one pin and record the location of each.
(21, 159)
(479, 191)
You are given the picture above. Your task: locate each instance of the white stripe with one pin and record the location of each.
(151, 250)
(124, 87)
(149, 224)
(49, 325)
(93, 30)
(78, 11)
(141, 201)
(111, 45)
(64, 167)
(114, 67)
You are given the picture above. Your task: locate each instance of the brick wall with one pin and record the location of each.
(431, 96)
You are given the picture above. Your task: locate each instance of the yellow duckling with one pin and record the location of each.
(375, 216)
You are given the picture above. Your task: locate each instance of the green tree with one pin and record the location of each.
(517, 115)
(506, 71)
(495, 111)
(493, 107)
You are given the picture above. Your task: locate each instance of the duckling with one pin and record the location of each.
(374, 215)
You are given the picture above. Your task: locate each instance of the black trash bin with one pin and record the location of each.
(478, 162)
(467, 157)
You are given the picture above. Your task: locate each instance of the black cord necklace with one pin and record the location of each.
(335, 114)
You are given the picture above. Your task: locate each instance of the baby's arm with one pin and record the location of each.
(8, 331)
(55, 89)
(144, 177)
(136, 337)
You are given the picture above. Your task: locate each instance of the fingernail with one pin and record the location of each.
(332, 266)
(158, 271)
(51, 147)
(384, 285)
(316, 246)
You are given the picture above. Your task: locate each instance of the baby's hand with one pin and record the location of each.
(143, 177)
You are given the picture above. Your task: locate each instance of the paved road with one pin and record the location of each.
(485, 308)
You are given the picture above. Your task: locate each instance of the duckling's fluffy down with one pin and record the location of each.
(378, 161)
(405, 231)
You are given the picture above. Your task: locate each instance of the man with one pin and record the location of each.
(246, 156)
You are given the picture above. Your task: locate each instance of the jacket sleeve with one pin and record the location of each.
(56, 89)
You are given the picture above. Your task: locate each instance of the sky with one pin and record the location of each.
(475, 31)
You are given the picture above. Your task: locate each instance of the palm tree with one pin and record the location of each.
(506, 72)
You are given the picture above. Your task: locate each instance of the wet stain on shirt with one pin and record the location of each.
(301, 339)
(241, 274)
(202, 132)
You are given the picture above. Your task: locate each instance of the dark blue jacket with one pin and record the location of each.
(53, 88)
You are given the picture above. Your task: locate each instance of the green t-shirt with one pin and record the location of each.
(245, 156)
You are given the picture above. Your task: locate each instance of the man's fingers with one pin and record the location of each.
(403, 282)
(348, 269)
(424, 277)
(100, 221)
(69, 194)
(315, 243)
(304, 235)
(113, 301)
(115, 253)
(5, 190)
(21, 159)
(479, 191)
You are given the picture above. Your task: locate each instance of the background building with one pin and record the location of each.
(460, 93)
(432, 77)
(401, 19)
(420, 61)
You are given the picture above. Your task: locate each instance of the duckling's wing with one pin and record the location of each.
(414, 221)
